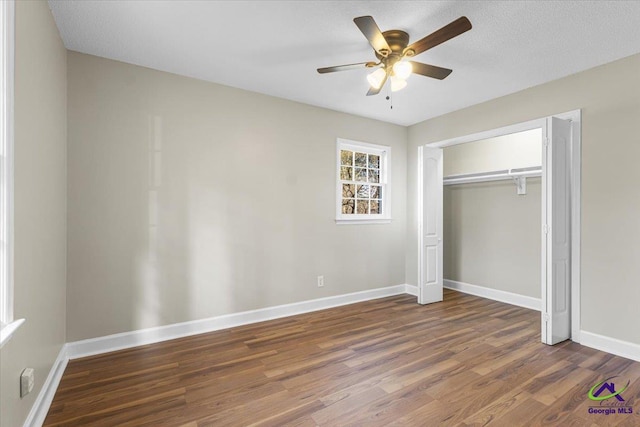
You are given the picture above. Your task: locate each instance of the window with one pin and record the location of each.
(362, 192)
(7, 323)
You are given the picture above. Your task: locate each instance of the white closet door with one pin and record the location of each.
(430, 289)
(556, 323)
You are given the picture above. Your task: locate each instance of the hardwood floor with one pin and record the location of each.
(466, 361)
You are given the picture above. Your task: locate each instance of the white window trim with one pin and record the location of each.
(385, 179)
(8, 325)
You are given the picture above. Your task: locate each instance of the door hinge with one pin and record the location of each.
(546, 317)
(546, 142)
(545, 229)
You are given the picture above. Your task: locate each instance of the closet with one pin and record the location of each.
(499, 217)
(492, 217)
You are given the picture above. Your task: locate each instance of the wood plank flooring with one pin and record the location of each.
(467, 361)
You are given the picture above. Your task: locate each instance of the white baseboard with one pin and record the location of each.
(611, 345)
(93, 346)
(43, 401)
(411, 290)
(494, 294)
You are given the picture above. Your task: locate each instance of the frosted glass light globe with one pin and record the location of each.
(397, 83)
(402, 69)
(376, 78)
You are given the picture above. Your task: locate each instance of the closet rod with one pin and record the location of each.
(505, 174)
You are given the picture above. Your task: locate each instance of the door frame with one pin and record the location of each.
(575, 117)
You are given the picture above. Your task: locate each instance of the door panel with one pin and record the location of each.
(430, 289)
(432, 260)
(557, 319)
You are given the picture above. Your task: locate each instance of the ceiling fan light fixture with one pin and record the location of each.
(397, 83)
(376, 78)
(402, 69)
(392, 50)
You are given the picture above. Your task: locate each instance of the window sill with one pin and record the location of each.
(8, 330)
(362, 221)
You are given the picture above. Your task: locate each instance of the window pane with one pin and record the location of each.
(376, 192)
(348, 206)
(363, 191)
(346, 158)
(374, 175)
(363, 206)
(348, 190)
(361, 159)
(361, 174)
(361, 178)
(346, 173)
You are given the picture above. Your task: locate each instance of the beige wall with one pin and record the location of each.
(513, 151)
(492, 234)
(189, 199)
(40, 207)
(610, 202)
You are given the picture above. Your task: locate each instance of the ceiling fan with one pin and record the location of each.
(392, 49)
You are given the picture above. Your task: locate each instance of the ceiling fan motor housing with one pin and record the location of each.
(398, 41)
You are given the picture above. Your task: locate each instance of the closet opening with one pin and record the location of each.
(499, 218)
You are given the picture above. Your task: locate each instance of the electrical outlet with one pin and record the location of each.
(26, 382)
(320, 281)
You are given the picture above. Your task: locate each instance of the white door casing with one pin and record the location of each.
(556, 287)
(431, 271)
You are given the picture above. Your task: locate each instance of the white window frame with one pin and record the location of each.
(384, 152)
(8, 325)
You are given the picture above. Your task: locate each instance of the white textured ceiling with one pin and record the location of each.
(274, 47)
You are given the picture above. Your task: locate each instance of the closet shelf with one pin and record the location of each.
(519, 177)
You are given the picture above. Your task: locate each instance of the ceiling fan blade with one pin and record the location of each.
(346, 67)
(371, 31)
(445, 33)
(374, 91)
(430, 70)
